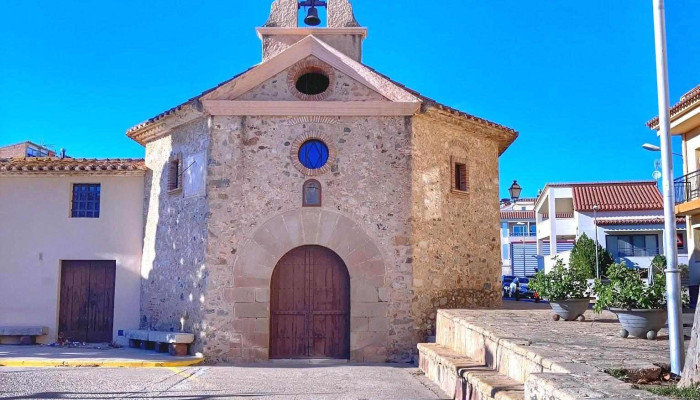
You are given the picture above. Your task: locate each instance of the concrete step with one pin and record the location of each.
(510, 357)
(461, 377)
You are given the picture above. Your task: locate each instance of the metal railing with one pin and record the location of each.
(523, 234)
(687, 187)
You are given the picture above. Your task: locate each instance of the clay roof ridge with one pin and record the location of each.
(178, 107)
(687, 100)
(49, 164)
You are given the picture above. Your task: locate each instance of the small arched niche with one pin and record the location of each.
(312, 193)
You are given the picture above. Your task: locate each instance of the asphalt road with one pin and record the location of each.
(257, 381)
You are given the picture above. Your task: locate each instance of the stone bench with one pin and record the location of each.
(176, 343)
(22, 334)
(462, 378)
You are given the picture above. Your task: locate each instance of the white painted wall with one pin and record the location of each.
(587, 226)
(36, 233)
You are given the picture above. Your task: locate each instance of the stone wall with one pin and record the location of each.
(174, 273)
(456, 256)
(349, 44)
(255, 204)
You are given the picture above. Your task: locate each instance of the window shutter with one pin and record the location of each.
(174, 175)
(461, 178)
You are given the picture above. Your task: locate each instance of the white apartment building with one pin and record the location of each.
(626, 218)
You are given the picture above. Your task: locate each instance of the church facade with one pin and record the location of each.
(311, 207)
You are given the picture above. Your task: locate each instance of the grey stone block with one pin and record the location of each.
(136, 334)
(23, 330)
(170, 337)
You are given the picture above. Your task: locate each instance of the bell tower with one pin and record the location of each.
(283, 29)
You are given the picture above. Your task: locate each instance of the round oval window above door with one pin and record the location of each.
(313, 154)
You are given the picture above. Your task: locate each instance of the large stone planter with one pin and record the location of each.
(641, 323)
(570, 309)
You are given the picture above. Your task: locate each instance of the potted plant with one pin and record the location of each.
(640, 306)
(565, 289)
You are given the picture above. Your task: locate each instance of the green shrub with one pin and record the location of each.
(583, 257)
(627, 290)
(560, 283)
(659, 266)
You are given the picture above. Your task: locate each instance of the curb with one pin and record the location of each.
(97, 363)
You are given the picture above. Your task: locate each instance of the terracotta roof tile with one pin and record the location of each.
(44, 165)
(443, 107)
(517, 214)
(638, 221)
(180, 106)
(687, 100)
(617, 196)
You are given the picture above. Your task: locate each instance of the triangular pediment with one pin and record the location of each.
(252, 84)
(283, 86)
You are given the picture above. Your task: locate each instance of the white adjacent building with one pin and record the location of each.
(626, 218)
(72, 236)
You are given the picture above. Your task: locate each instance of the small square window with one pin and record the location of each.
(460, 176)
(86, 200)
(174, 174)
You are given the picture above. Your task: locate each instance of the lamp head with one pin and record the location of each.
(515, 191)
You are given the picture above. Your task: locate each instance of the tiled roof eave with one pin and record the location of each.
(637, 221)
(71, 173)
(71, 166)
(688, 101)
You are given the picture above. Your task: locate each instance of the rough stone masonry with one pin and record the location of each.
(394, 205)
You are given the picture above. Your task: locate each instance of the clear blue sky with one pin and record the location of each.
(575, 77)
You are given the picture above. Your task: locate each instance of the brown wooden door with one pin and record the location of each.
(310, 305)
(86, 309)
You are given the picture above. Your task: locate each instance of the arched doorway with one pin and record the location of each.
(310, 305)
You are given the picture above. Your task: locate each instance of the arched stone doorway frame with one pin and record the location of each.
(366, 265)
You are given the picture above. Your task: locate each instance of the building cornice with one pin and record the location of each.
(319, 32)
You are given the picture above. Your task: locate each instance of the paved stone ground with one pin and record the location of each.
(256, 381)
(594, 342)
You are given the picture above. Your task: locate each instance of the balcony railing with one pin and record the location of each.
(523, 234)
(687, 187)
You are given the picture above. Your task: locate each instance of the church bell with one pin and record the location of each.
(312, 18)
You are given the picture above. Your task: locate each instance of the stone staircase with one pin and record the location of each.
(460, 377)
(461, 363)
(473, 359)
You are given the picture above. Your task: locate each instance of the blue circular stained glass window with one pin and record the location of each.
(313, 154)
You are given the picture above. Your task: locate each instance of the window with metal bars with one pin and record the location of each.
(86, 200)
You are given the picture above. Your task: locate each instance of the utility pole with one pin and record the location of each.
(673, 278)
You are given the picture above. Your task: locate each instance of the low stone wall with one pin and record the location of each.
(554, 360)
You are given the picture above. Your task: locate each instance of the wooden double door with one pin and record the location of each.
(86, 308)
(310, 305)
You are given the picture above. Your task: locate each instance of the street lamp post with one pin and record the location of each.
(595, 223)
(673, 279)
(522, 240)
(515, 190)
